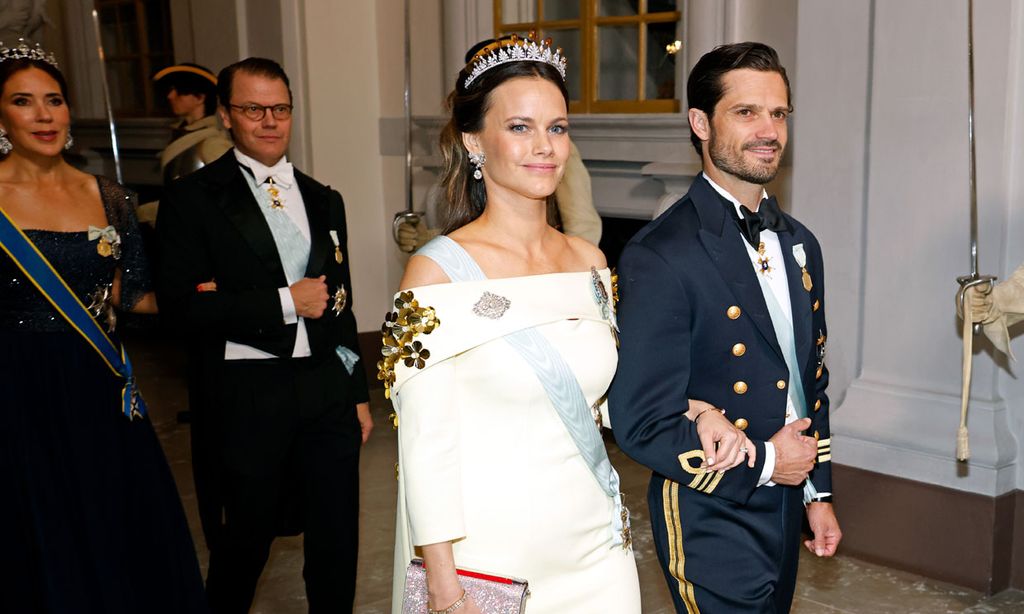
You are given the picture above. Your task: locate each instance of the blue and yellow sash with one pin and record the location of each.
(54, 289)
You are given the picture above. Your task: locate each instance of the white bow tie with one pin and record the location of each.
(282, 173)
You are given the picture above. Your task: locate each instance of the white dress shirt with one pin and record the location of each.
(295, 208)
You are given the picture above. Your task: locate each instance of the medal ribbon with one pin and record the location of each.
(109, 233)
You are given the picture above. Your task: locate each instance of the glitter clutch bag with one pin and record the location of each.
(492, 594)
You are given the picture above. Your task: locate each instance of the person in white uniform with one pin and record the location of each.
(497, 356)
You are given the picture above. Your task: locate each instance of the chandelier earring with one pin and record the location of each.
(478, 160)
(5, 143)
(69, 141)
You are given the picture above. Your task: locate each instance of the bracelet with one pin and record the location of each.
(705, 410)
(461, 601)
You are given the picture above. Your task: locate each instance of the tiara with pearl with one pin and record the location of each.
(22, 51)
(515, 49)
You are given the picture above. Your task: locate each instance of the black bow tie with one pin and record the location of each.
(767, 217)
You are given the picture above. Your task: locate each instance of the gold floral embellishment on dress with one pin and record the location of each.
(415, 355)
(401, 326)
(615, 287)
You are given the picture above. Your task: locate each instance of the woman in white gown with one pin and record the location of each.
(497, 357)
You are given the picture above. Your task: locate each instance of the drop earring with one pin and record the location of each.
(5, 143)
(68, 141)
(478, 160)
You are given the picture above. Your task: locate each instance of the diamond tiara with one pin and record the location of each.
(22, 51)
(516, 49)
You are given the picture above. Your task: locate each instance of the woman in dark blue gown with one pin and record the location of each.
(90, 517)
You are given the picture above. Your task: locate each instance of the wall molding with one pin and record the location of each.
(965, 538)
(884, 431)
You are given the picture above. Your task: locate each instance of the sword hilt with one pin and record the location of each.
(970, 281)
(403, 217)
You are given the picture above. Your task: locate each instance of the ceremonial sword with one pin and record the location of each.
(106, 97)
(408, 214)
(963, 451)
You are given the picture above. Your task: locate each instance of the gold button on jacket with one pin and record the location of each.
(739, 387)
(781, 384)
(741, 423)
(733, 312)
(739, 349)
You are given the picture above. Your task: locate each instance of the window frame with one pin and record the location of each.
(145, 57)
(588, 25)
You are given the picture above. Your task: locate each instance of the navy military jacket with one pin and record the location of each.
(694, 324)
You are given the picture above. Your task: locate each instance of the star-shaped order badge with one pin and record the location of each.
(340, 300)
(801, 260)
(764, 266)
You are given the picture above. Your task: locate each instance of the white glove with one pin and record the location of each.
(413, 235)
(998, 307)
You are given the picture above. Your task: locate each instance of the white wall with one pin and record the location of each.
(205, 32)
(881, 173)
(355, 57)
(344, 105)
(1011, 387)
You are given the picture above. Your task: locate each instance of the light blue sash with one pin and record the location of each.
(54, 289)
(554, 374)
(292, 245)
(783, 326)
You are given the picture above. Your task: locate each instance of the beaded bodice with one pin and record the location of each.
(81, 262)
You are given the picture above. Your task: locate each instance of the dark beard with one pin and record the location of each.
(725, 161)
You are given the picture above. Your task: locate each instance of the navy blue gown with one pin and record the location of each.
(90, 517)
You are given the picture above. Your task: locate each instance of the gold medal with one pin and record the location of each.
(340, 300)
(337, 247)
(275, 195)
(104, 248)
(806, 277)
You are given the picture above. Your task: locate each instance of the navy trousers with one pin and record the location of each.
(720, 557)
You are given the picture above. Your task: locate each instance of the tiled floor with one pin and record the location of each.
(839, 585)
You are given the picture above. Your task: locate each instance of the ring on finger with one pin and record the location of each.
(743, 449)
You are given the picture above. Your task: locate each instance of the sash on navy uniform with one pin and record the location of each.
(54, 289)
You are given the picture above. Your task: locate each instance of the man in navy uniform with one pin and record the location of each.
(723, 302)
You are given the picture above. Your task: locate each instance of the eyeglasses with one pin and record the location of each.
(256, 112)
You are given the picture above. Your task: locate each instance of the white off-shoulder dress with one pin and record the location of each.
(486, 459)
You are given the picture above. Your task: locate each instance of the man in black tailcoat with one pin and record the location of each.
(723, 302)
(255, 276)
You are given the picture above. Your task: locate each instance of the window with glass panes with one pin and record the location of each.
(136, 37)
(622, 53)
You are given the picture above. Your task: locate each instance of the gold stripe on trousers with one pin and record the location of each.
(676, 558)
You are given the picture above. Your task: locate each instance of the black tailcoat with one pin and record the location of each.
(211, 228)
